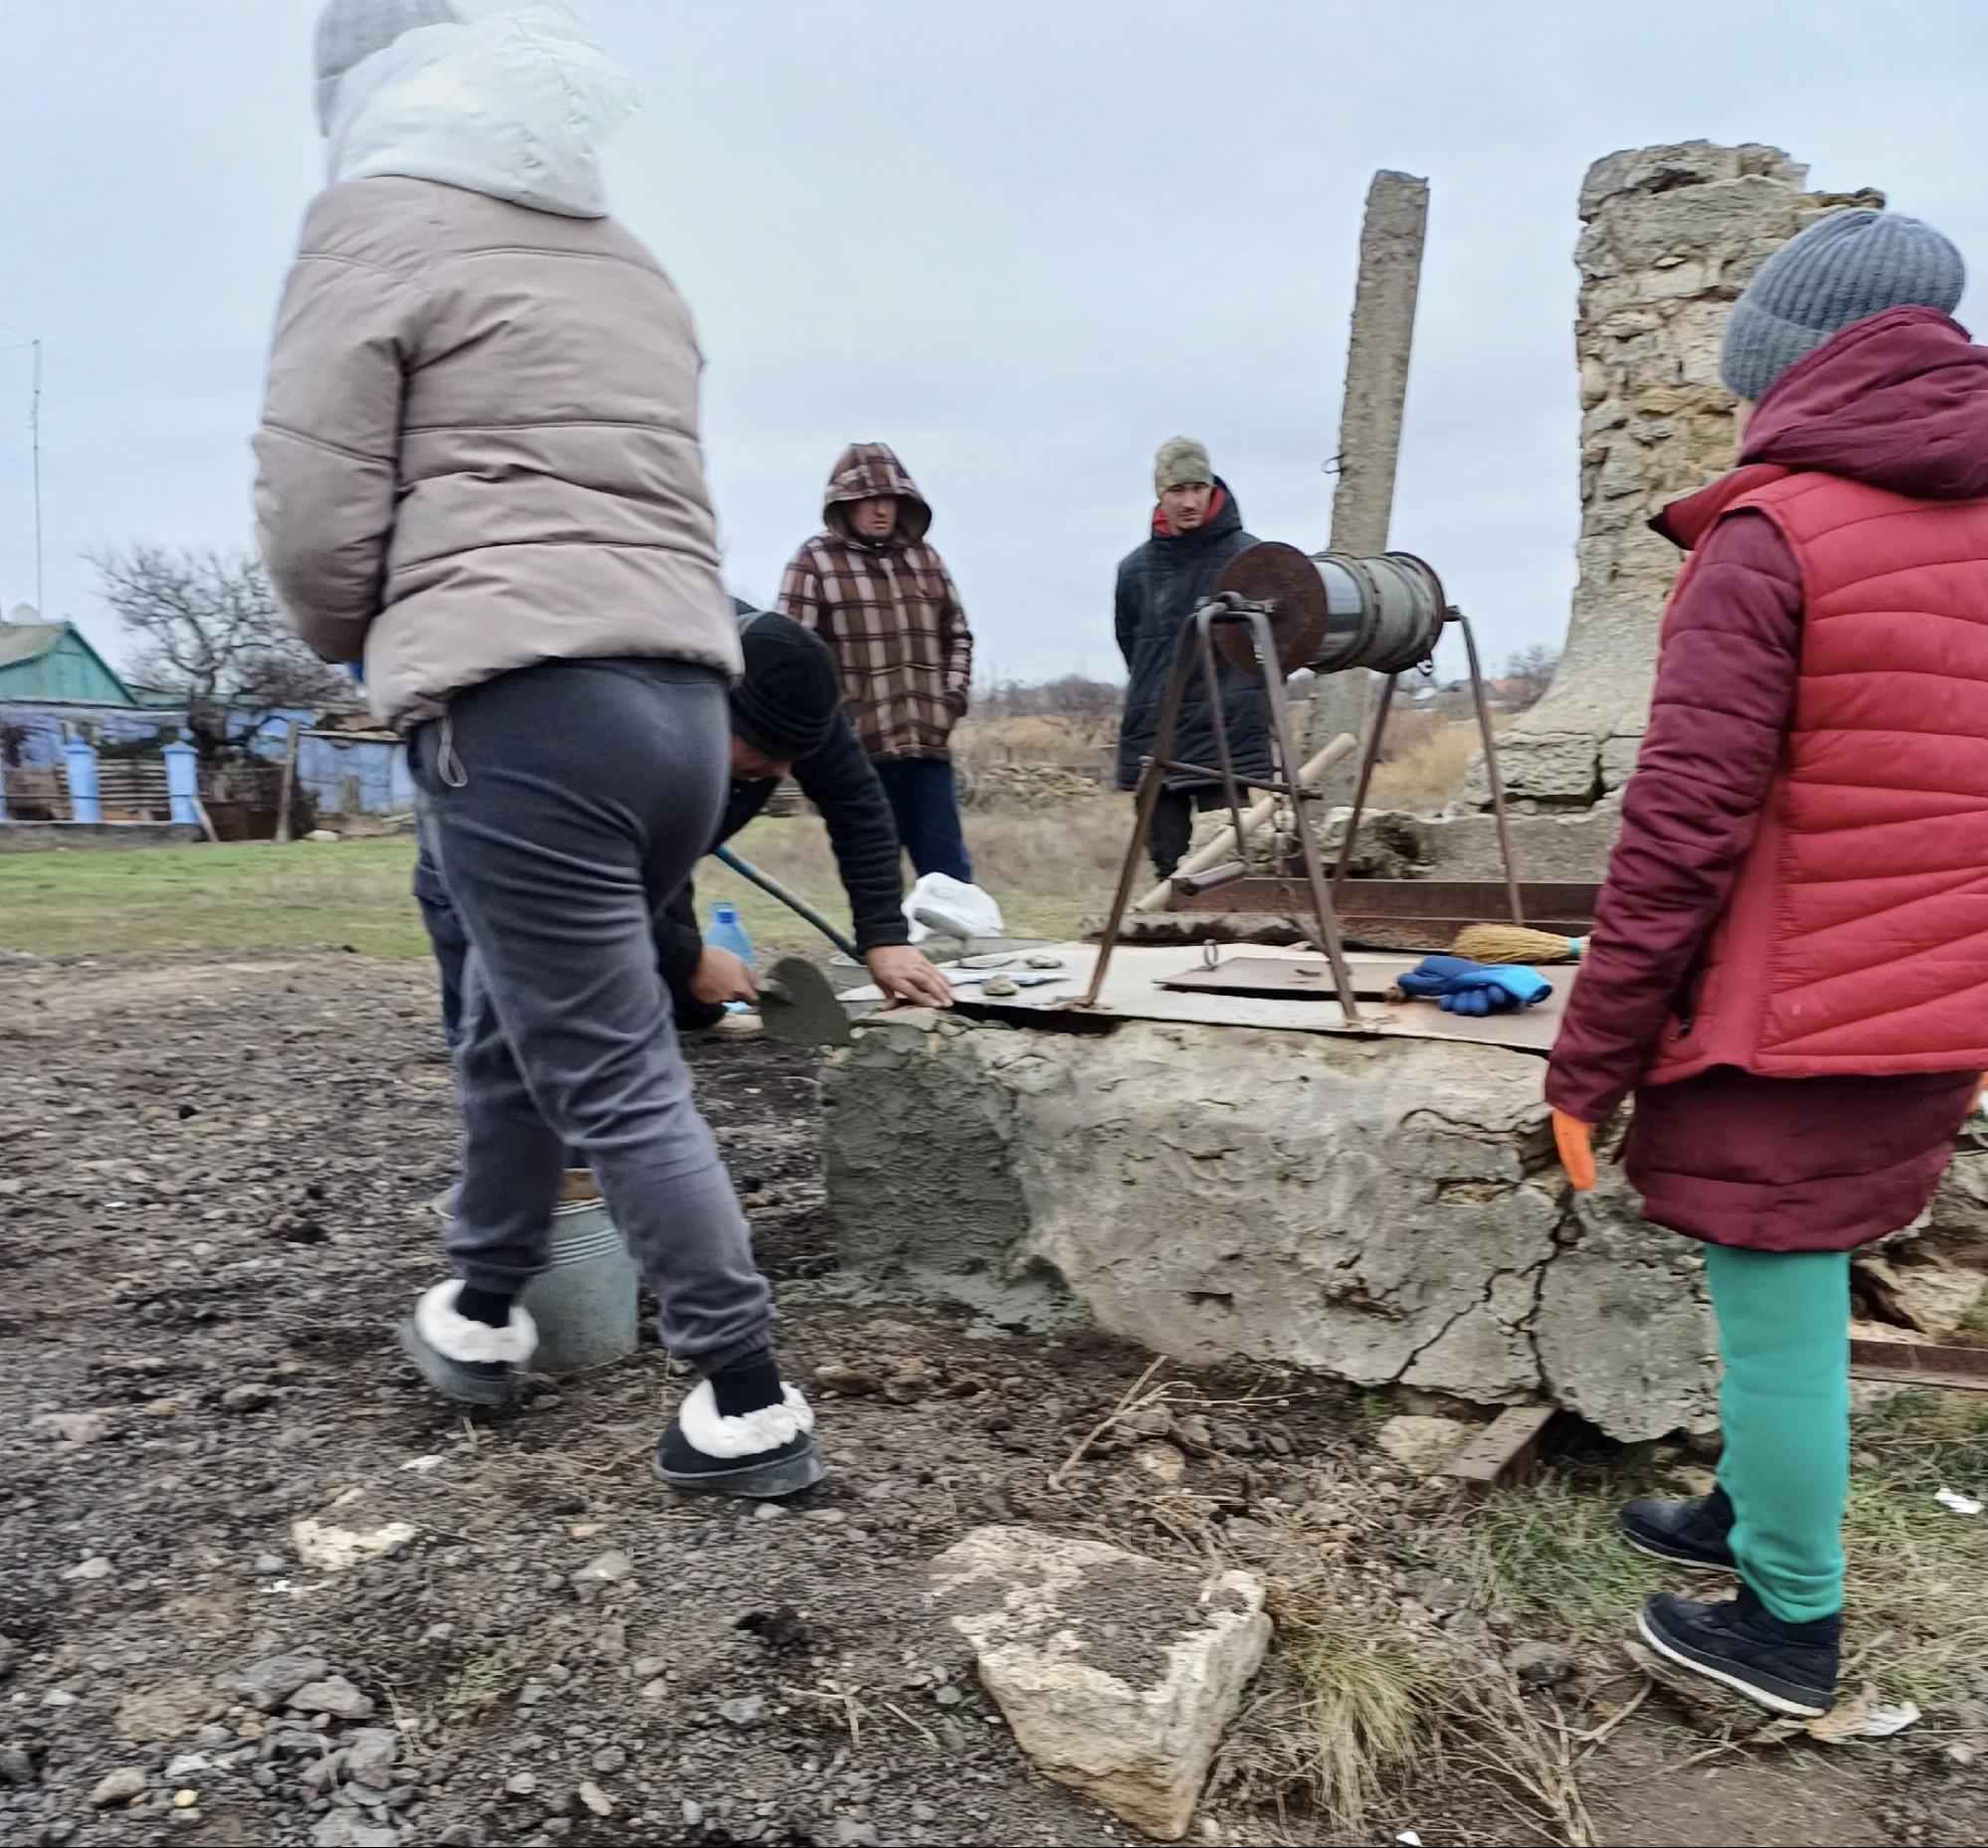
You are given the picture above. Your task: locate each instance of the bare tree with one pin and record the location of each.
(205, 627)
(1531, 672)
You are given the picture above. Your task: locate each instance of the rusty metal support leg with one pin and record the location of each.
(1145, 804)
(1377, 731)
(1491, 769)
(1308, 840)
(1204, 635)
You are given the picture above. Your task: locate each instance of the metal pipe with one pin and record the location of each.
(1491, 771)
(798, 906)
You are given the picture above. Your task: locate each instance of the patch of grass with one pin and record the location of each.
(1918, 1575)
(1549, 1554)
(477, 1686)
(237, 897)
(1048, 869)
(1372, 1714)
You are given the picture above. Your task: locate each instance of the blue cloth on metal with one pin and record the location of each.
(1459, 986)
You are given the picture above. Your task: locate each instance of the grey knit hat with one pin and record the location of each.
(1180, 461)
(351, 31)
(1842, 269)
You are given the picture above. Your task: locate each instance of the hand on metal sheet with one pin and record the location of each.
(908, 975)
(1576, 1142)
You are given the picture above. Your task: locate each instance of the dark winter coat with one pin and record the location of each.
(1160, 586)
(1792, 1164)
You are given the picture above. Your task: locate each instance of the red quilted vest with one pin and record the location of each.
(1857, 938)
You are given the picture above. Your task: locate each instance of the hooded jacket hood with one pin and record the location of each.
(1898, 402)
(510, 102)
(868, 471)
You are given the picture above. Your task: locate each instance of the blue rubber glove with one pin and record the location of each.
(1459, 986)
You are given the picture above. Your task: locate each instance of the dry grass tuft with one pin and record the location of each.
(1425, 762)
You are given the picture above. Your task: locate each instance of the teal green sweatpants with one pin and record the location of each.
(1784, 1403)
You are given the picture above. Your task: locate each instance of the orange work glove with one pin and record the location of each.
(1576, 1142)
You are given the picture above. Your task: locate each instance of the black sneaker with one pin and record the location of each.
(761, 1455)
(1788, 1668)
(1696, 1533)
(468, 1363)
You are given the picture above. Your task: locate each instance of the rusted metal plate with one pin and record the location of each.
(1506, 1451)
(1548, 905)
(1287, 977)
(1920, 1362)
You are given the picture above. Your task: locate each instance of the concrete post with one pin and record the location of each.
(1376, 392)
(182, 781)
(79, 758)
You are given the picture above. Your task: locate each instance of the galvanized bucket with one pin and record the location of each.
(586, 1301)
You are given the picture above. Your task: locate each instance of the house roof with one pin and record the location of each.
(21, 642)
(24, 642)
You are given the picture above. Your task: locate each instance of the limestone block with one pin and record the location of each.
(1625, 1333)
(1550, 767)
(1570, 847)
(1381, 1211)
(1118, 1675)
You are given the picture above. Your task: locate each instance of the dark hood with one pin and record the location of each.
(1223, 517)
(1898, 402)
(868, 471)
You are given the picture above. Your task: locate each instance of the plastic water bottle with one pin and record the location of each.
(726, 931)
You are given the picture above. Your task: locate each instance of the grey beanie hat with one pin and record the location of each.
(1180, 461)
(351, 31)
(1842, 269)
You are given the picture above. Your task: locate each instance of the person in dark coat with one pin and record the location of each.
(1791, 948)
(1196, 530)
(787, 718)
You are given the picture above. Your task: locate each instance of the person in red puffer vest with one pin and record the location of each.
(1790, 954)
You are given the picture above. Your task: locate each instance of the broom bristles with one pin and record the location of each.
(1512, 943)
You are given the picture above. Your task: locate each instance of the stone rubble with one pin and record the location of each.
(1118, 1675)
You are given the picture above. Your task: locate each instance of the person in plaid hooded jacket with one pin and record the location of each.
(882, 598)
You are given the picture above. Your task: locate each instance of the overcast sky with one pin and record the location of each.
(1023, 243)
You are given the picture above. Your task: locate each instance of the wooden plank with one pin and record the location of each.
(1920, 1362)
(1506, 1450)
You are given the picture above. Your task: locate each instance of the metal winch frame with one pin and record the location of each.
(1277, 610)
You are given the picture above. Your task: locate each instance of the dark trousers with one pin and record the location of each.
(926, 807)
(566, 806)
(1174, 824)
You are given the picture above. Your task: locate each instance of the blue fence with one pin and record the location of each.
(363, 776)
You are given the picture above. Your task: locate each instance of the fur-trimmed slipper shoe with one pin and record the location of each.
(468, 1362)
(763, 1455)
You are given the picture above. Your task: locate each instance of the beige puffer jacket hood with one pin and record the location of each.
(480, 444)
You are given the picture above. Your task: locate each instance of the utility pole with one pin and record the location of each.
(34, 348)
(34, 450)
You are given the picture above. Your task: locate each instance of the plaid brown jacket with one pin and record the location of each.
(889, 609)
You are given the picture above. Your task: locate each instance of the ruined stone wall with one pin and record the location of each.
(1671, 237)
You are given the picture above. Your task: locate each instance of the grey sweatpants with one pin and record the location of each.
(566, 804)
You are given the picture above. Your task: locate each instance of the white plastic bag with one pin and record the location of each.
(947, 907)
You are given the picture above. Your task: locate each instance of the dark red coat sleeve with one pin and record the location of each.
(1725, 687)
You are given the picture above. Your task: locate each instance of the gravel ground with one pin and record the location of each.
(212, 1186)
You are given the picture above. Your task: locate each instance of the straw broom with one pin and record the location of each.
(1512, 943)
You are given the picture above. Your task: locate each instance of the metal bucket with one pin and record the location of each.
(587, 1301)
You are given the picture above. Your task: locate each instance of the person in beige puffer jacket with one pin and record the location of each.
(481, 474)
